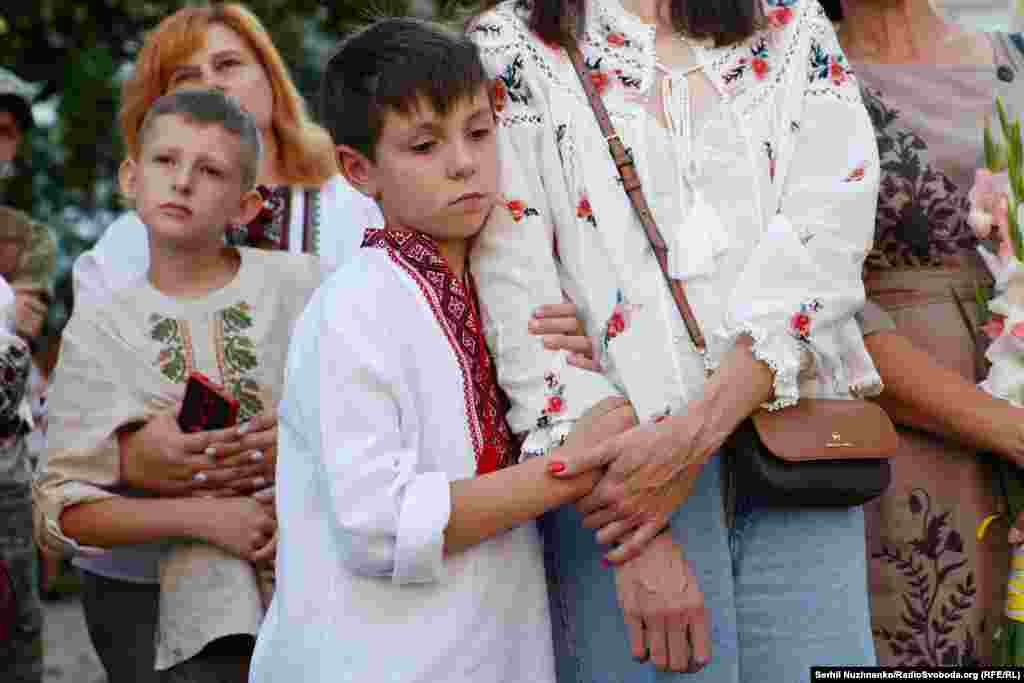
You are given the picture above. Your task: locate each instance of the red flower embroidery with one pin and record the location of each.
(517, 208)
(600, 80)
(620, 318)
(616, 325)
(837, 72)
(555, 405)
(856, 175)
(760, 67)
(584, 210)
(165, 355)
(500, 94)
(616, 39)
(780, 16)
(801, 324)
(994, 327)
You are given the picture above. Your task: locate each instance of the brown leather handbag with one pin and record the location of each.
(819, 452)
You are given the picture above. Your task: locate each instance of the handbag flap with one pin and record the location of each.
(827, 429)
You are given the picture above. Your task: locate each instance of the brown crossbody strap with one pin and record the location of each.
(634, 190)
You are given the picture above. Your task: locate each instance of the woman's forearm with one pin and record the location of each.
(485, 506)
(923, 394)
(740, 386)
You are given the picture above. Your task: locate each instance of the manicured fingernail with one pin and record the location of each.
(259, 482)
(555, 467)
(199, 476)
(210, 451)
(243, 429)
(1015, 537)
(605, 562)
(256, 456)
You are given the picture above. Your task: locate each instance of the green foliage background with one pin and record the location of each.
(80, 53)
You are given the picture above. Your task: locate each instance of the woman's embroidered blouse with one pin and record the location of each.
(762, 176)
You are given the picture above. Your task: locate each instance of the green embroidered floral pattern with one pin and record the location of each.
(239, 359)
(172, 360)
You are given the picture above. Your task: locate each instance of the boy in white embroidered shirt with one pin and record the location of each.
(407, 550)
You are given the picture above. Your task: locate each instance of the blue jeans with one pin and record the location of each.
(786, 589)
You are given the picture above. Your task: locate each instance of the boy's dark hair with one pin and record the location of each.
(212, 107)
(724, 21)
(390, 66)
(833, 9)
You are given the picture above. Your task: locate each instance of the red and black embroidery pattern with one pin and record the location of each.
(458, 312)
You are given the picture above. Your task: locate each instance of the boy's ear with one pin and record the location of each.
(126, 175)
(249, 208)
(357, 169)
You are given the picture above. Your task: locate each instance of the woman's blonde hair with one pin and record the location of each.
(305, 150)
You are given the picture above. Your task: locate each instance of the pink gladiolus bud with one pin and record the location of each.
(980, 222)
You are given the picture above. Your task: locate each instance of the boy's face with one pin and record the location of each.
(187, 182)
(436, 174)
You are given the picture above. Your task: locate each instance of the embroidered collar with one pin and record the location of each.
(455, 306)
(621, 45)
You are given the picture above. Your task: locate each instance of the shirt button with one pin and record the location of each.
(1005, 73)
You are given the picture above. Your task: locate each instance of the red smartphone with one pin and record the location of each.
(206, 406)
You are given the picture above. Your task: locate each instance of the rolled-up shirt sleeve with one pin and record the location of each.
(389, 510)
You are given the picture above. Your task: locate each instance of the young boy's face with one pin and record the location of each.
(437, 174)
(187, 182)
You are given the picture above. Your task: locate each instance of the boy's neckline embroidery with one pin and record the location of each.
(457, 311)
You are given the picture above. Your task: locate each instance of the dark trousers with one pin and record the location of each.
(122, 620)
(21, 656)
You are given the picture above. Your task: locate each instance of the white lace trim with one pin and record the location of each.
(780, 352)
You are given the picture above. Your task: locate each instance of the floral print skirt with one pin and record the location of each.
(936, 590)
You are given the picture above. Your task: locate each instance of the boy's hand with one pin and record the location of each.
(664, 608)
(241, 526)
(561, 329)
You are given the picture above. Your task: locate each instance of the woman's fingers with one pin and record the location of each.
(656, 636)
(679, 651)
(616, 531)
(229, 476)
(635, 543)
(700, 636)
(600, 518)
(583, 362)
(562, 310)
(568, 342)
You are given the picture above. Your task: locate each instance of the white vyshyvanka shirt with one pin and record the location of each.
(374, 425)
(768, 209)
(121, 256)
